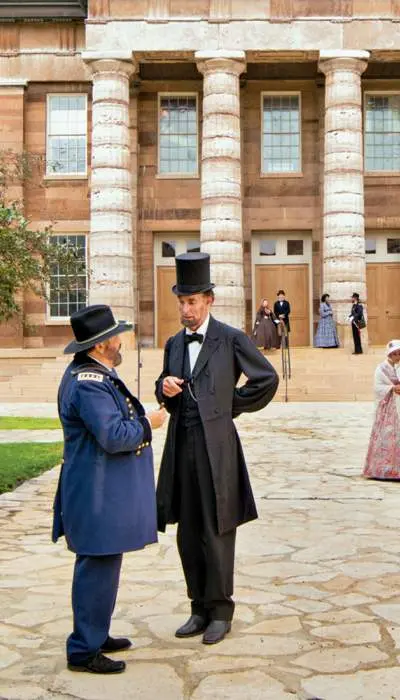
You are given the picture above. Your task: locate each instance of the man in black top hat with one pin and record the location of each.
(356, 318)
(105, 503)
(203, 482)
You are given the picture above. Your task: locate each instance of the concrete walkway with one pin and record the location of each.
(317, 582)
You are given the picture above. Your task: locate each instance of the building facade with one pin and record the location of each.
(265, 132)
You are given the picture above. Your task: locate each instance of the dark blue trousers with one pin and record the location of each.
(94, 592)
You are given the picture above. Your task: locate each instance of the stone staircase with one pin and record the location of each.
(317, 375)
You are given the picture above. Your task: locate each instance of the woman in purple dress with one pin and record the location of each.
(326, 335)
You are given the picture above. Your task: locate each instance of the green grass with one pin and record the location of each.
(22, 461)
(21, 423)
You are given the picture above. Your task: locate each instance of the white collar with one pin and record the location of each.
(202, 329)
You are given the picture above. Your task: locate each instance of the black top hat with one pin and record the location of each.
(192, 274)
(355, 295)
(92, 325)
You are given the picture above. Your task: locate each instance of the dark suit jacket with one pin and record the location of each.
(357, 312)
(226, 353)
(284, 309)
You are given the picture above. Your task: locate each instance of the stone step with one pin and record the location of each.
(317, 375)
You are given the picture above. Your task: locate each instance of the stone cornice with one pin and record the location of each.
(252, 35)
(13, 82)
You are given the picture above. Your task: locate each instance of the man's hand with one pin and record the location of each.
(172, 386)
(157, 418)
(396, 389)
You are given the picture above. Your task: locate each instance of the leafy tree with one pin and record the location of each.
(26, 256)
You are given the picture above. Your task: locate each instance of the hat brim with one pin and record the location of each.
(392, 350)
(187, 289)
(74, 346)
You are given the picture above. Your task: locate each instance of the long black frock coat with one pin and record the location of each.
(225, 354)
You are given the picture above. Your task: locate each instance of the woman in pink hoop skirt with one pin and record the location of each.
(383, 456)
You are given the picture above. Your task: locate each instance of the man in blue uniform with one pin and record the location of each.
(105, 502)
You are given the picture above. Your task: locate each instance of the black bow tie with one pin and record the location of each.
(192, 337)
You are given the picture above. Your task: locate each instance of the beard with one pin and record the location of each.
(188, 324)
(117, 359)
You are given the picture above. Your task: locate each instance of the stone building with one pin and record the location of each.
(265, 131)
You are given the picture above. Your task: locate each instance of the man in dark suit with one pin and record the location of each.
(203, 482)
(282, 311)
(355, 318)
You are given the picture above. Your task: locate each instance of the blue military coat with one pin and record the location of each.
(105, 501)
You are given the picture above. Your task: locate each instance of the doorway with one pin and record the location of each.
(282, 261)
(383, 286)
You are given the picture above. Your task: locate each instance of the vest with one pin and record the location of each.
(189, 412)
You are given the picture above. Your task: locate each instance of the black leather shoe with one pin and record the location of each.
(99, 664)
(216, 631)
(196, 624)
(116, 644)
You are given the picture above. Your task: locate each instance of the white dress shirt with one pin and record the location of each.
(195, 347)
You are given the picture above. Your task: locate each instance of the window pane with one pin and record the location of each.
(393, 245)
(66, 127)
(370, 246)
(267, 247)
(382, 133)
(295, 247)
(67, 298)
(178, 135)
(281, 133)
(168, 249)
(193, 247)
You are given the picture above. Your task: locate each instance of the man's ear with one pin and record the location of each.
(99, 347)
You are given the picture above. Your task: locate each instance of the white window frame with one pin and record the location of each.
(178, 176)
(62, 320)
(379, 173)
(282, 173)
(381, 255)
(66, 175)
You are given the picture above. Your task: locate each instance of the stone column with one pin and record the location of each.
(111, 254)
(221, 196)
(344, 268)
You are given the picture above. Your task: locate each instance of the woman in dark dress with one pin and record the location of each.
(265, 334)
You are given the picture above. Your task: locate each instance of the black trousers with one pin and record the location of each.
(357, 339)
(207, 557)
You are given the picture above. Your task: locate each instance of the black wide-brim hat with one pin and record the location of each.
(92, 325)
(192, 274)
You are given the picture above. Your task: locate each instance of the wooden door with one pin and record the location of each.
(294, 280)
(167, 308)
(383, 309)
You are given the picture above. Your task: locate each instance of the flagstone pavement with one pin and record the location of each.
(317, 582)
